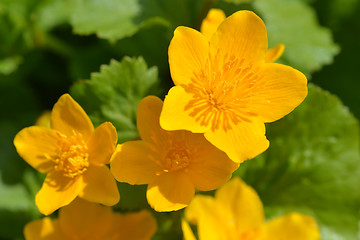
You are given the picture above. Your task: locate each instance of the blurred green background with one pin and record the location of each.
(49, 47)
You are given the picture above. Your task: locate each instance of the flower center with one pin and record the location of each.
(176, 159)
(224, 91)
(228, 82)
(72, 157)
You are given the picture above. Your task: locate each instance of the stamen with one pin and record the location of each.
(223, 91)
(177, 153)
(72, 155)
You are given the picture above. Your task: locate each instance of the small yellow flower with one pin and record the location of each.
(213, 20)
(226, 88)
(236, 212)
(73, 155)
(44, 119)
(82, 220)
(172, 163)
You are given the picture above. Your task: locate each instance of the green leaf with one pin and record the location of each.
(52, 13)
(312, 165)
(113, 94)
(154, 49)
(108, 19)
(17, 204)
(10, 64)
(23, 26)
(293, 23)
(177, 12)
(237, 1)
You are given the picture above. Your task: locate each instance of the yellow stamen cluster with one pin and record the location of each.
(175, 153)
(72, 157)
(223, 91)
(176, 159)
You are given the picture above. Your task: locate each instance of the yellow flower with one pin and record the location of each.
(213, 20)
(73, 155)
(172, 163)
(236, 212)
(82, 220)
(226, 89)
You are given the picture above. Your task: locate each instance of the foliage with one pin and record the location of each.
(113, 94)
(308, 45)
(312, 165)
(48, 47)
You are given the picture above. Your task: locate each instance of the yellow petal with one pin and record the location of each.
(210, 221)
(188, 53)
(98, 185)
(200, 205)
(178, 112)
(85, 220)
(274, 53)
(210, 226)
(187, 232)
(170, 192)
(241, 205)
(148, 113)
(56, 192)
(212, 21)
(133, 163)
(292, 226)
(102, 144)
(43, 229)
(280, 89)
(240, 142)
(127, 226)
(243, 36)
(67, 116)
(35, 145)
(211, 167)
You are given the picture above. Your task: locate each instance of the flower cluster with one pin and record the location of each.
(85, 220)
(236, 212)
(226, 88)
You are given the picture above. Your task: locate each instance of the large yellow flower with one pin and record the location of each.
(82, 220)
(73, 155)
(226, 89)
(172, 163)
(236, 213)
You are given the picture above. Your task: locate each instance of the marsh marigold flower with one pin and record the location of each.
(226, 87)
(82, 220)
(73, 155)
(172, 163)
(236, 212)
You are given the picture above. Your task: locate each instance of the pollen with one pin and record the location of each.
(72, 157)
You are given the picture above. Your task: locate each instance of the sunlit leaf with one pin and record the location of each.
(113, 94)
(308, 46)
(9, 65)
(238, 1)
(313, 164)
(109, 19)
